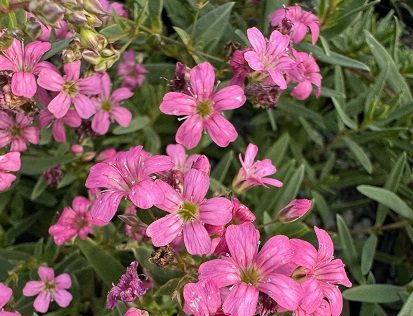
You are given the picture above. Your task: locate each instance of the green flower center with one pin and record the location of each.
(251, 276)
(15, 131)
(106, 105)
(204, 109)
(69, 88)
(300, 274)
(188, 211)
(49, 286)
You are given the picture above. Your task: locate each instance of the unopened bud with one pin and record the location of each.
(136, 312)
(241, 213)
(93, 20)
(89, 156)
(33, 28)
(69, 56)
(94, 7)
(88, 38)
(76, 149)
(106, 154)
(202, 164)
(77, 18)
(294, 210)
(53, 175)
(48, 12)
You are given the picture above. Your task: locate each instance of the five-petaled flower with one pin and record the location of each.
(8, 162)
(203, 108)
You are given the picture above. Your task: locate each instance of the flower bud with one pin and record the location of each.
(93, 20)
(241, 213)
(88, 38)
(202, 164)
(77, 18)
(48, 12)
(88, 156)
(76, 149)
(33, 28)
(94, 7)
(136, 312)
(294, 210)
(69, 56)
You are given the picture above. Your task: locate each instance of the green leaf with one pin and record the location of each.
(298, 109)
(384, 60)
(359, 153)
(167, 288)
(374, 293)
(323, 209)
(113, 30)
(367, 254)
(34, 165)
(387, 198)
(105, 265)
(290, 190)
(155, 10)
(221, 169)
(68, 178)
(376, 89)
(346, 242)
(334, 58)
(339, 105)
(135, 125)
(277, 151)
(407, 307)
(185, 37)
(39, 188)
(57, 47)
(268, 7)
(211, 27)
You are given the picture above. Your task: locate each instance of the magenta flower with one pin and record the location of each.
(129, 287)
(127, 174)
(202, 298)
(136, 312)
(319, 273)
(252, 272)
(5, 295)
(308, 74)
(269, 56)
(108, 106)
(294, 210)
(133, 74)
(189, 212)
(17, 131)
(8, 162)
(254, 173)
(47, 118)
(70, 89)
(24, 62)
(300, 20)
(74, 221)
(203, 108)
(50, 288)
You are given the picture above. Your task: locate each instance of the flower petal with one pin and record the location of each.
(221, 130)
(190, 132)
(242, 241)
(84, 106)
(46, 273)
(196, 238)
(222, 272)
(59, 105)
(196, 185)
(202, 78)
(106, 205)
(229, 98)
(63, 281)
(241, 301)
(63, 298)
(164, 230)
(276, 252)
(216, 211)
(145, 194)
(41, 303)
(23, 84)
(32, 288)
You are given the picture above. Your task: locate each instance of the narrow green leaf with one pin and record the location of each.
(211, 27)
(290, 190)
(375, 293)
(328, 166)
(68, 178)
(321, 205)
(298, 109)
(384, 60)
(367, 254)
(376, 88)
(39, 188)
(311, 132)
(387, 198)
(339, 105)
(185, 37)
(135, 125)
(277, 151)
(113, 30)
(106, 267)
(407, 307)
(221, 169)
(57, 47)
(346, 242)
(360, 154)
(155, 10)
(339, 81)
(34, 165)
(167, 288)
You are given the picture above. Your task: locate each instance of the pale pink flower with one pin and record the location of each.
(5, 295)
(202, 298)
(17, 130)
(129, 287)
(254, 173)
(47, 118)
(294, 210)
(50, 288)
(319, 273)
(70, 89)
(269, 56)
(127, 174)
(188, 212)
(300, 21)
(25, 63)
(108, 106)
(252, 272)
(203, 109)
(308, 74)
(136, 312)
(133, 73)
(74, 221)
(8, 162)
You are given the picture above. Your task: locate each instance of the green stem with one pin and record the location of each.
(375, 229)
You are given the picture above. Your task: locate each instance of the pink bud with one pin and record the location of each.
(136, 312)
(106, 154)
(241, 213)
(294, 210)
(76, 149)
(202, 164)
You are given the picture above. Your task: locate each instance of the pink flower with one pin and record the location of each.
(181, 160)
(202, 298)
(253, 173)
(269, 56)
(319, 273)
(5, 295)
(74, 221)
(24, 62)
(239, 68)
(189, 212)
(8, 162)
(133, 73)
(308, 74)
(47, 118)
(136, 312)
(294, 210)
(109, 7)
(300, 20)
(108, 106)
(127, 174)
(203, 109)
(251, 272)
(50, 288)
(17, 131)
(128, 288)
(71, 89)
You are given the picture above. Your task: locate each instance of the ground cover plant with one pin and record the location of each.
(190, 157)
